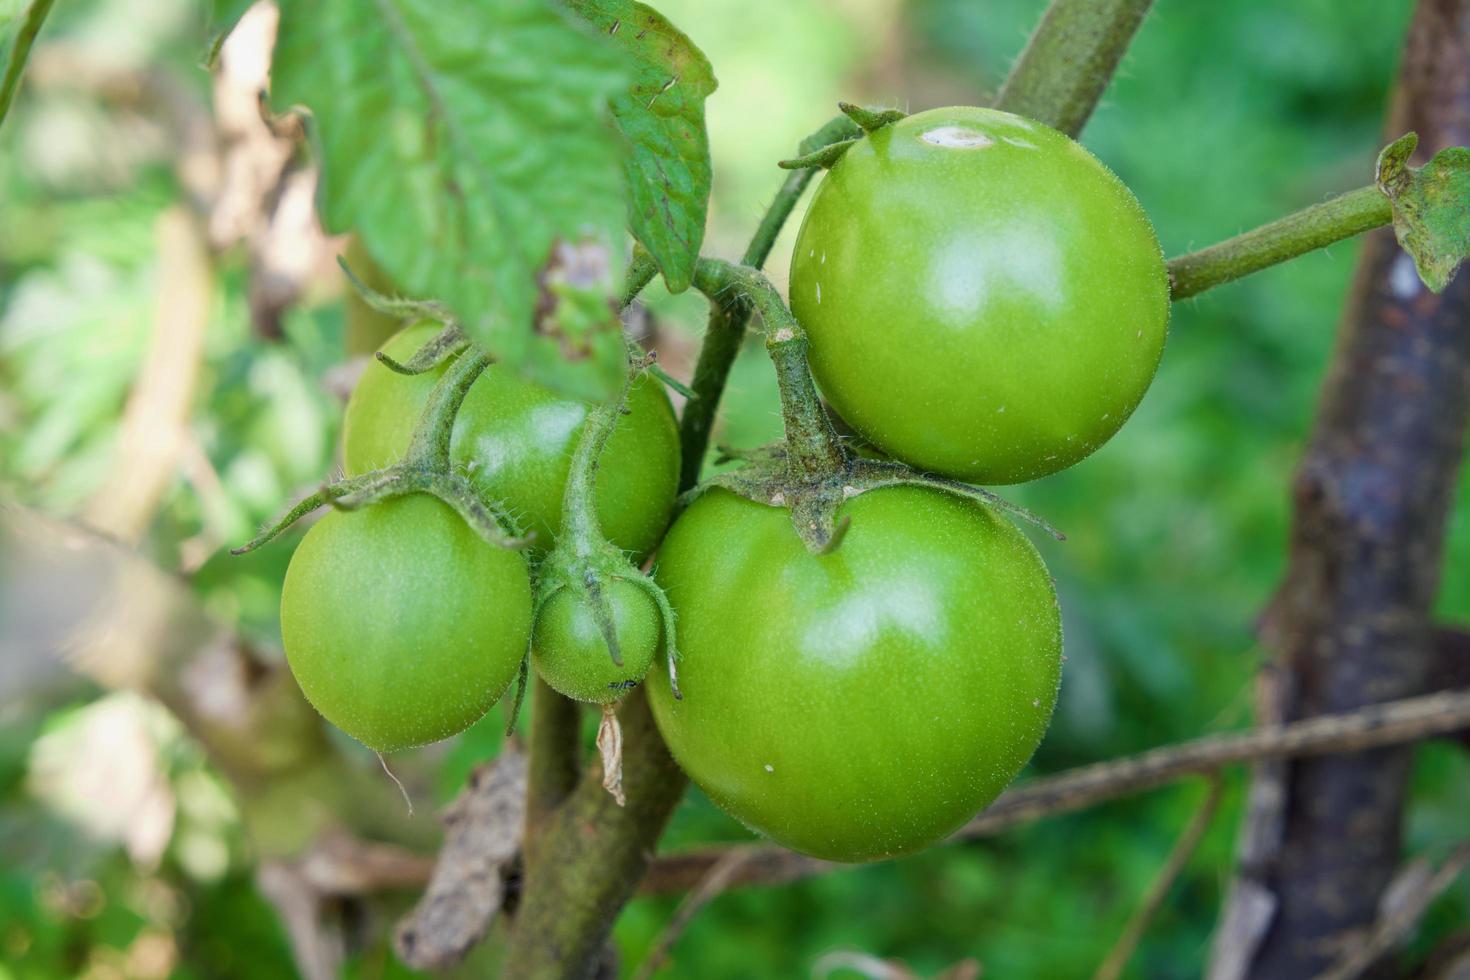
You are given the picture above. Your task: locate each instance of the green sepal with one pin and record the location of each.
(870, 120)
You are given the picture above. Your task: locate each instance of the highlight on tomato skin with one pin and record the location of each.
(865, 703)
(401, 624)
(983, 298)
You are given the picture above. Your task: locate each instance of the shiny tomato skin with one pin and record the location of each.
(865, 703)
(515, 438)
(401, 624)
(984, 298)
(570, 654)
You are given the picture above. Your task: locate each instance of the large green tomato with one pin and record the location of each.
(984, 298)
(515, 438)
(402, 625)
(864, 703)
(569, 651)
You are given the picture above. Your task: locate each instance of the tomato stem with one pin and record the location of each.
(429, 445)
(1286, 238)
(726, 328)
(1070, 59)
(580, 527)
(814, 450)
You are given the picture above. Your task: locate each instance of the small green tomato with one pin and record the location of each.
(569, 651)
(401, 624)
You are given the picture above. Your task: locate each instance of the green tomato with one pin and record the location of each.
(402, 625)
(515, 439)
(571, 655)
(864, 703)
(984, 298)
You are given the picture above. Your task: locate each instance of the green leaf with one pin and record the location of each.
(1431, 207)
(20, 22)
(662, 115)
(467, 144)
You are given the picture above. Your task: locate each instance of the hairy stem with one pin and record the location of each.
(432, 435)
(1296, 234)
(591, 856)
(554, 756)
(810, 438)
(1070, 59)
(580, 525)
(727, 321)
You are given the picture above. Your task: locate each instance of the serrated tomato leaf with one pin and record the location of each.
(1431, 207)
(467, 144)
(662, 115)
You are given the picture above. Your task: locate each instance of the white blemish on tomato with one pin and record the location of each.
(957, 138)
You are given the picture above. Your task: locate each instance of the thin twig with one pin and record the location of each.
(1283, 239)
(1397, 921)
(1158, 890)
(1374, 726)
(714, 882)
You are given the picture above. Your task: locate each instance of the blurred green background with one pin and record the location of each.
(1225, 115)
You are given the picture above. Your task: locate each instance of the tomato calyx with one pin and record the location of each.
(815, 500)
(424, 468)
(812, 473)
(869, 120)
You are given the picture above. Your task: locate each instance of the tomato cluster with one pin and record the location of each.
(401, 624)
(984, 301)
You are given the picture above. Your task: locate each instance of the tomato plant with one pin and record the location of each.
(401, 624)
(514, 438)
(571, 654)
(863, 703)
(983, 297)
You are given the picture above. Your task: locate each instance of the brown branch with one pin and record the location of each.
(1350, 624)
(1397, 922)
(715, 881)
(1374, 726)
(1158, 890)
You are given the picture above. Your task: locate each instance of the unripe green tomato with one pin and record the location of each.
(402, 625)
(864, 703)
(571, 655)
(515, 439)
(983, 297)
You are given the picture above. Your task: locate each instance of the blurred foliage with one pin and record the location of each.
(1226, 114)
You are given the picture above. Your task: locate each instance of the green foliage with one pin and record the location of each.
(463, 142)
(662, 115)
(1177, 528)
(1431, 206)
